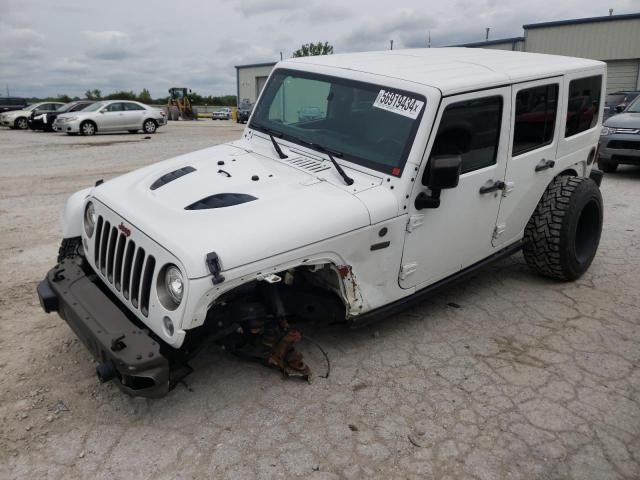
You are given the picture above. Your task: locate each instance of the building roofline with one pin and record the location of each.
(491, 42)
(267, 64)
(578, 21)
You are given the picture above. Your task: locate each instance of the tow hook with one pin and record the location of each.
(105, 372)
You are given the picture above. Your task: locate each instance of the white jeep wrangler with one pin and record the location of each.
(361, 183)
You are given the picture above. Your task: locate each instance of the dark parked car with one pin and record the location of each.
(43, 119)
(12, 103)
(244, 112)
(620, 139)
(616, 102)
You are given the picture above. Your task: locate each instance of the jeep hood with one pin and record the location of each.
(240, 204)
(623, 120)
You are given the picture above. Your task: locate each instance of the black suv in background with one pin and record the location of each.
(244, 112)
(12, 103)
(43, 119)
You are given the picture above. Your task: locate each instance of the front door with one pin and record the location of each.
(441, 241)
(112, 117)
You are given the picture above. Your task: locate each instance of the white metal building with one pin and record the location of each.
(614, 39)
(251, 79)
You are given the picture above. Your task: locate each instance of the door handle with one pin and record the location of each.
(492, 186)
(545, 165)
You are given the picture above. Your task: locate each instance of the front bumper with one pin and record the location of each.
(620, 147)
(67, 127)
(126, 354)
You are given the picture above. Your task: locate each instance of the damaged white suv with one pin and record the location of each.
(416, 167)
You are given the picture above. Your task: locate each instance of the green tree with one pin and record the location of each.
(145, 96)
(63, 97)
(313, 49)
(122, 95)
(94, 94)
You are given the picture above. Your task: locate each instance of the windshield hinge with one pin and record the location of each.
(408, 269)
(499, 230)
(213, 263)
(414, 222)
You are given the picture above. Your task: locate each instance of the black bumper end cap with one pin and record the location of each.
(47, 297)
(596, 175)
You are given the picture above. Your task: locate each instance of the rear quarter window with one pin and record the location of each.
(583, 105)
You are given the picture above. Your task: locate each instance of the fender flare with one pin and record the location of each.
(73, 213)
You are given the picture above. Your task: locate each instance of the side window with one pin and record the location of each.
(115, 107)
(470, 129)
(535, 121)
(584, 105)
(132, 106)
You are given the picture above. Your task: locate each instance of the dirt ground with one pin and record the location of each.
(506, 376)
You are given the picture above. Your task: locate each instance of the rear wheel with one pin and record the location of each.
(21, 123)
(607, 166)
(563, 233)
(87, 128)
(149, 126)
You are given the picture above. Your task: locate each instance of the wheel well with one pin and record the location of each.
(301, 294)
(569, 172)
(152, 119)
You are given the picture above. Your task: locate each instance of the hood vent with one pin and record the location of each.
(171, 176)
(221, 200)
(308, 164)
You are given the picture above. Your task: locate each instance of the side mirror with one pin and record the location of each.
(443, 172)
(620, 108)
(103, 110)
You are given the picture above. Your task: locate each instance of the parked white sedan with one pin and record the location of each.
(111, 116)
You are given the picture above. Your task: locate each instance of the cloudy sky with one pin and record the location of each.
(49, 47)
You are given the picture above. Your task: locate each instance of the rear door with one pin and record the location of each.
(532, 154)
(441, 241)
(133, 115)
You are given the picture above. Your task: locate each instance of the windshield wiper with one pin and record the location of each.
(347, 179)
(277, 148)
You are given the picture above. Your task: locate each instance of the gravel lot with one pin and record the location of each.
(507, 375)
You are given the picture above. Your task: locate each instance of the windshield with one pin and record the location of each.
(367, 124)
(33, 107)
(67, 107)
(94, 107)
(614, 99)
(634, 107)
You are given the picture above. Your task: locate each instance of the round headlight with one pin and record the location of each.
(89, 219)
(174, 283)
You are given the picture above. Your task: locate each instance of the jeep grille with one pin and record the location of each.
(124, 265)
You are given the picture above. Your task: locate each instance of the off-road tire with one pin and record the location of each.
(70, 248)
(607, 166)
(563, 233)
